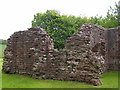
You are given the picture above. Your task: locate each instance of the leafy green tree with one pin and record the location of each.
(113, 14)
(112, 19)
(95, 20)
(58, 27)
(82, 20)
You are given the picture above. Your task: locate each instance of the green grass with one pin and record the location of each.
(109, 79)
(1, 61)
(18, 81)
(2, 47)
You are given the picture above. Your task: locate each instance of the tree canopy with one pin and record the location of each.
(60, 27)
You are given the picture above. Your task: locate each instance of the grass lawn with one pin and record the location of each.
(109, 79)
(2, 47)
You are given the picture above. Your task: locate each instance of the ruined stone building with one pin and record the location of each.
(88, 54)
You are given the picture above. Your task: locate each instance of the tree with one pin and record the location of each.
(116, 11)
(112, 19)
(113, 16)
(58, 27)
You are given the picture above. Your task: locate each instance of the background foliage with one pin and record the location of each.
(60, 27)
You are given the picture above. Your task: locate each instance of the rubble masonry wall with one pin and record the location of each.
(32, 52)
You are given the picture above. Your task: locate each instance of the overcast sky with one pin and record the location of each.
(16, 15)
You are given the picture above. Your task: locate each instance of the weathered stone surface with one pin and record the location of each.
(26, 50)
(89, 41)
(113, 48)
(32, 52)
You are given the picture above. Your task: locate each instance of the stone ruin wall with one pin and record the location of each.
(25, 48)
(112, 56)
(32, 52)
